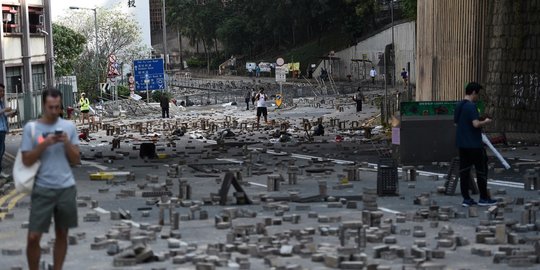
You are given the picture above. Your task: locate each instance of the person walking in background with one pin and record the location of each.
(253, 94)
(247, 99)
(257, 71)
(261, 98)
(5, 112)
(84, 104)
(53, 141)
(164, 104)
(373, 74)
(471, 147)
(405, 77)
(358, 98)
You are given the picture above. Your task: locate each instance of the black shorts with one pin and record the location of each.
(85, 111)
(262, 110)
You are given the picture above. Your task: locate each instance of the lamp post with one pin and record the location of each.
(97, 48)
(164, 27)
(393, 45)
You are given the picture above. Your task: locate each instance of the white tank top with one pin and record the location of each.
(262, 100)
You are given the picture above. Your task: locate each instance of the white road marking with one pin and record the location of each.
(389, 210)
(94, 164)
(422, 173)
(257, 184)
(101, 210)
(135, 224)
(230, 160)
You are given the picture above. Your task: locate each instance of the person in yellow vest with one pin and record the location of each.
(84, 103)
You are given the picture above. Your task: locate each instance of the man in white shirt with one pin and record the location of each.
(373, 74)
(261, 98)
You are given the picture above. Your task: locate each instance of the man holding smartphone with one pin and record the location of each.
(55, 143)
(5, 112)
(470, 145)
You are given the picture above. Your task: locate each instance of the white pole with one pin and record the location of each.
(147, 94)
(497, 154)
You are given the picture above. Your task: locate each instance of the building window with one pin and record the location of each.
(13, 80)
(10, 19)
(38, 77)
(155, 14)
(35, 19)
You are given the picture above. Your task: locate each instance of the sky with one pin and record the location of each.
(141, 11)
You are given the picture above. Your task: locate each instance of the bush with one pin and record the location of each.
(196, 63)
(123, 91)
(156, 95)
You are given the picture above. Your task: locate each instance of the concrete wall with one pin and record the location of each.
(373, 47)
(493, 42)
(450, 47)
(512, 76)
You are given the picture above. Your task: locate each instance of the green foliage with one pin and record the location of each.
(156, 95)
(246, 27)
(410, 8)
(123, 90)
(196, 62)
(310, 52)
(257, 28)
(120, 36)
(68, 46)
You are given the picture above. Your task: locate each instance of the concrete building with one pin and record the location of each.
(26, 53)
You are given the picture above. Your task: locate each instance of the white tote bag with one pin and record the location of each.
(24, 176)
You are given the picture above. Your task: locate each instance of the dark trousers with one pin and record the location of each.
(358, 106)
(164, 112)
(247, 103)
(2, 147)
(467, 158)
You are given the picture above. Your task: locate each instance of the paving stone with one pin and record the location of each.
(331, 261)
(11, 251)
(317, 257)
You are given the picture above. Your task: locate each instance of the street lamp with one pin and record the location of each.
(97, 48)
(164, 28)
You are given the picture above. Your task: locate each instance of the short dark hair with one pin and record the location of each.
(261, 88)
(50, 92)
(473, 87)
(2, 85)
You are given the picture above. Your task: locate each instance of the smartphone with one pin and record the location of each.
(58, 131)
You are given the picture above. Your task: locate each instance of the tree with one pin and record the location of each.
(261, 28)
(199, 21)
(410, 8)
(118, 34)
(68, 46)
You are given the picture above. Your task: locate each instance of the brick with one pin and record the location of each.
(332, 261)
(11, 251)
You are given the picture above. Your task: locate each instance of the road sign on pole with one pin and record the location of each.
(151, 70)
(281, 74)
(104, 87)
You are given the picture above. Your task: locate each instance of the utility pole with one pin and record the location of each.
(49, 41)
(384, 116)
(164, 27)
(393, 45)
(97, 51)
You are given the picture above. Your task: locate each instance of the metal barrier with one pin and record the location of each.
(28, 105)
